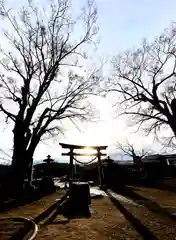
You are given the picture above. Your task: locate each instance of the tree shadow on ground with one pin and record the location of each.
(163, 187)
(50, 210)
(22, 232)
(25, 197)
(9, 228)
(148, 203)
(139, 227)
(67, 211)
(159, 184)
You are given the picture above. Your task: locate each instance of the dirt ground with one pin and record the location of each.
(161, 226)
(105, 222)
(31, 211)
(161, 197)
(168, 182)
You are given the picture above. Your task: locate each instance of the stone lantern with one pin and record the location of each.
(48, 162)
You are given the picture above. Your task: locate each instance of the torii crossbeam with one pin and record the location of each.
(71, 153)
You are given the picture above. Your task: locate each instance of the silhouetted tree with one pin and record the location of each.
(128, 149)
(38, 87)
(145, 82)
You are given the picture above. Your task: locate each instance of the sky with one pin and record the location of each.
(123, 24)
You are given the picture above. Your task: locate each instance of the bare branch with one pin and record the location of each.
(6, 112)
(147, 75)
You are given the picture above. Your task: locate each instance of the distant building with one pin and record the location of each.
(153, 158)
(169, 159)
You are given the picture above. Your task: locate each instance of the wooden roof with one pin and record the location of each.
(64, 145)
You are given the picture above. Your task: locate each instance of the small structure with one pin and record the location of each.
(48, 161)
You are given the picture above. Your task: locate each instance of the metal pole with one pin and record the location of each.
(71, 167)
(30, 173)
(75, 168)
(99, 166)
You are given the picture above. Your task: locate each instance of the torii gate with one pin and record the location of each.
(72, 154)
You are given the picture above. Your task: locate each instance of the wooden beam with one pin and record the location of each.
(71, 146)
(83, 154)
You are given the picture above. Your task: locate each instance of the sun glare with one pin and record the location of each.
(88, 150)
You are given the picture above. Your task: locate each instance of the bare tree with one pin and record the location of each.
(38, 83)
(145, 82)
(128, 149)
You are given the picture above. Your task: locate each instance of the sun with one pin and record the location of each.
(88, 150)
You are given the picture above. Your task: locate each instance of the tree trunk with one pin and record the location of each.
(172, 123)
(20, 163)
(22, 155)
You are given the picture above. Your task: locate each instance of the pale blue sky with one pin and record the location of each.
(123, 23)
